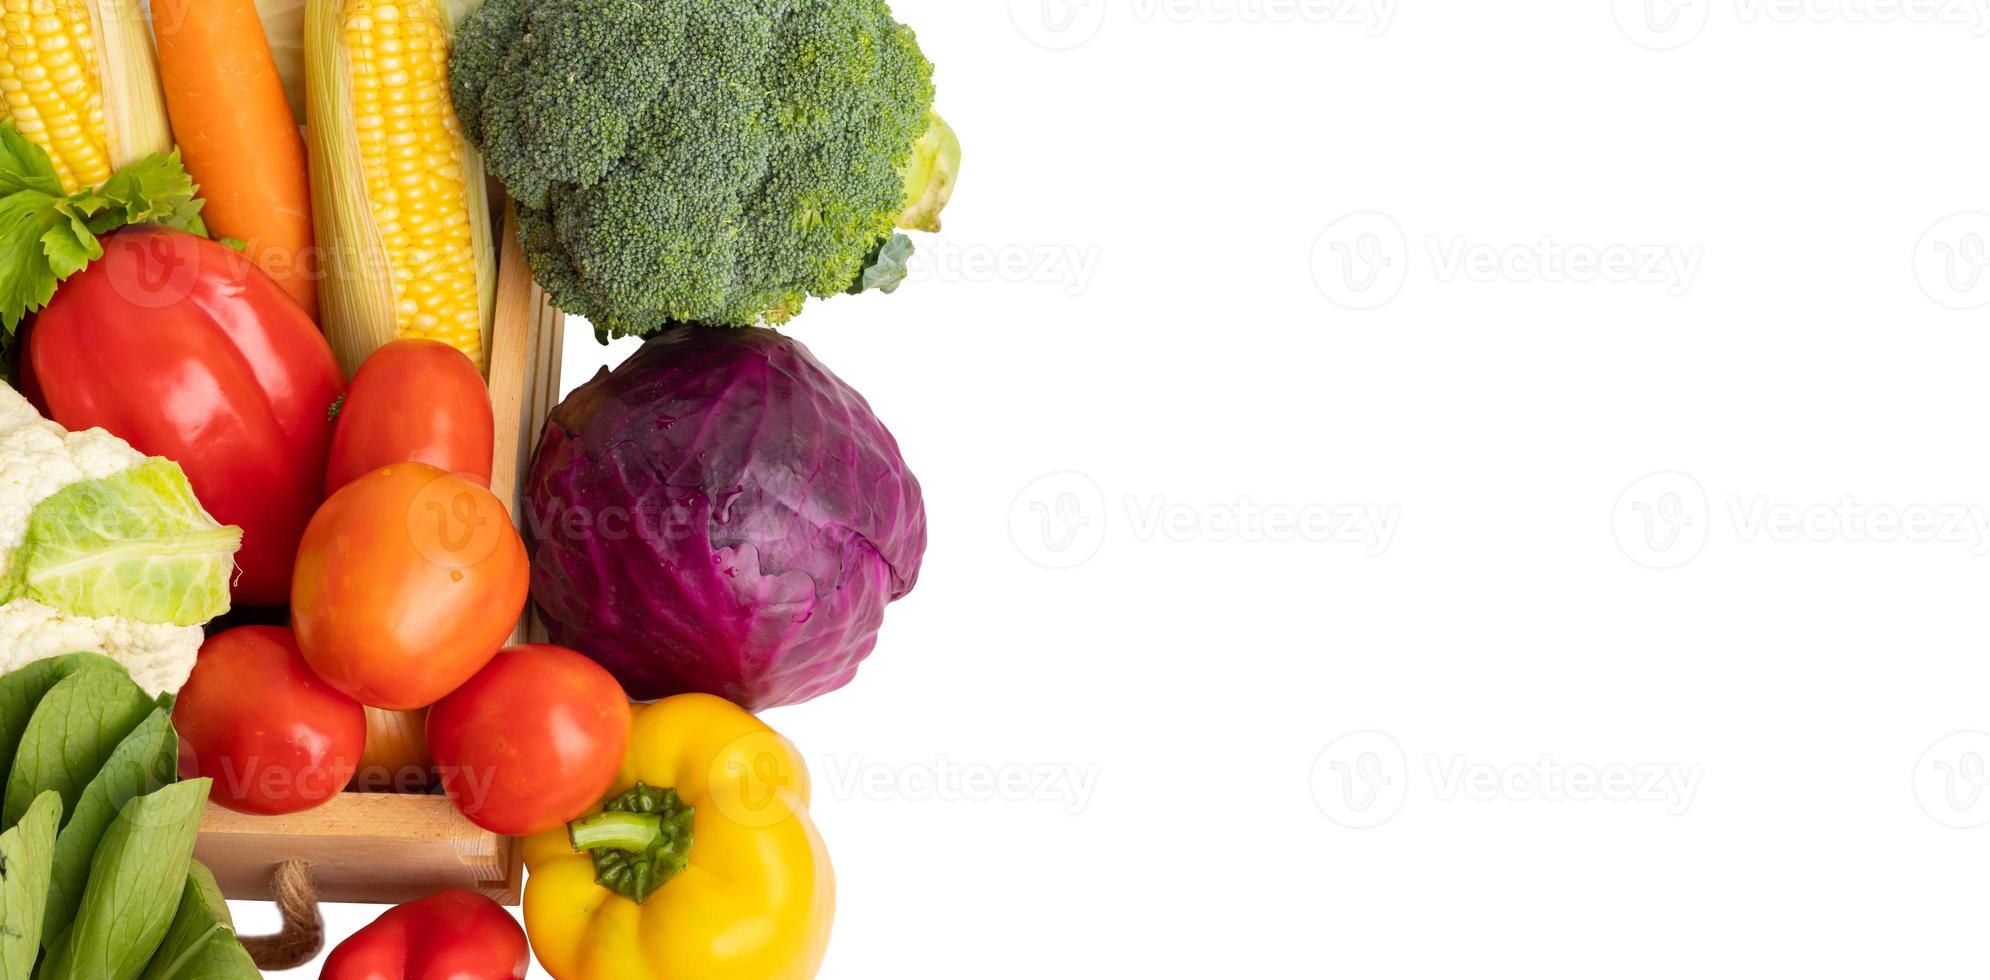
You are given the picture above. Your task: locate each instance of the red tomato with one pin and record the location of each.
(408, 580)
(452, 935)
(181, 347)
(414, 401)
(253, 716)
(532, 741)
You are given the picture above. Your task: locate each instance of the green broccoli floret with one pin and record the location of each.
(699, 161)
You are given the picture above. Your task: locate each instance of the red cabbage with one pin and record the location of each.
(721, 514)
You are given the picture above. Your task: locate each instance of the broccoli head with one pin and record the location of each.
(699, 161)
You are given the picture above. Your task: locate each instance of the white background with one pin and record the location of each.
(1614, 725)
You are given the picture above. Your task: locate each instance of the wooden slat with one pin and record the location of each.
(542, 395)
(514, 356)
(362, 847)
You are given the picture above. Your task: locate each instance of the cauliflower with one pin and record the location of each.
(103, 550)
(158, 657)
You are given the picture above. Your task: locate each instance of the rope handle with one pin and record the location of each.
(303, 934)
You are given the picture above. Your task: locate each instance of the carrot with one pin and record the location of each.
(237, 135)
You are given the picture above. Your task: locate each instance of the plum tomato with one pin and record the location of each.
(408, 580)
(414, 401)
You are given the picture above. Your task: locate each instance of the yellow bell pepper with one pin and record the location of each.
(703, 863)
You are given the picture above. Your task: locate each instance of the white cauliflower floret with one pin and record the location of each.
(38, 458)
(158, 657)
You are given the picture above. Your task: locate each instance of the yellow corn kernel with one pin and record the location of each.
(57, 76)
(407, 244)
(421, 211)
(49, 78)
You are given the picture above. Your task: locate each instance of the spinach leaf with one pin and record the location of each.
(146, 760)
(71, 733)
(201, 945)
(21, 690)
(24, 868)
(135, 885)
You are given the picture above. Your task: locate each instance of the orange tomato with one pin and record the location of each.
(408, 581)
(416, 401)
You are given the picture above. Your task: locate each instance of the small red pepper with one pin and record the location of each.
(452, 935)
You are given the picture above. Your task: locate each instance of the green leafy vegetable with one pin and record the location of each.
(27, 282)
(146, 761)
(154, 191)
(23, 689)
(201, 944)
(24, 166)
(136, 545)
(74, 730)
(46, 236)
(135, 887)
(886, 268)
(24, 869)
(99, 890)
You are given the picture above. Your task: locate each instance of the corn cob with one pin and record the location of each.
(397, 193)
(78, 77)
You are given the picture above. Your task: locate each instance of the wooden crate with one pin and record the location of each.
(386, 847)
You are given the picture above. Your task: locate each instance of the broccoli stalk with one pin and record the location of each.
(704, 161)
(929, 177)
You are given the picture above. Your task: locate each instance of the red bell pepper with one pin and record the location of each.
(184, 349)
(452, 935)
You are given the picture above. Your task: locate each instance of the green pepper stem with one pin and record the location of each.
(640, 840)
(616, 831)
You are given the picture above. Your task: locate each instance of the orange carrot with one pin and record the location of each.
(237, 135)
